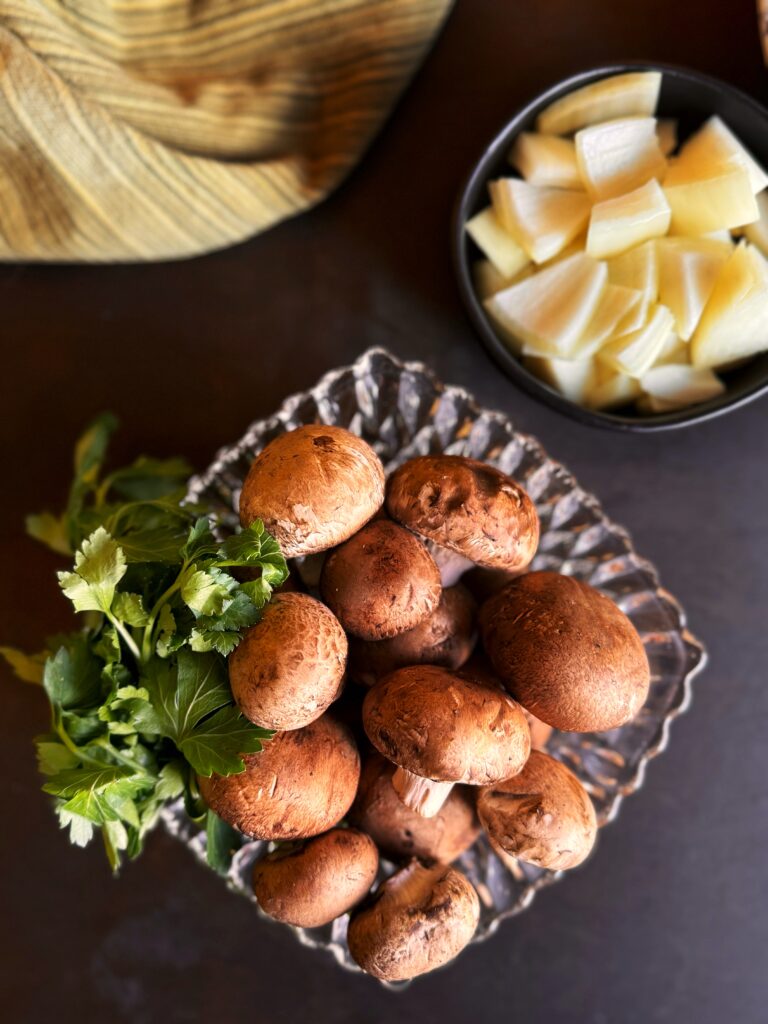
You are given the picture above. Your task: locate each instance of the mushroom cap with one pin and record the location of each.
(289, 667)
(381, 582)
(543, 815)
(480, 669)
(566, 652)
(467, 506)
(313, 487)
(302, 783)
(446, 637)
(318, 882)
(401, 833)
(419, 919)
(445, 728)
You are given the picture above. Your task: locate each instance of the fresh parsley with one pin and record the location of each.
(140, 700)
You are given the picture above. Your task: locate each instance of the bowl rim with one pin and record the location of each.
(491, 340)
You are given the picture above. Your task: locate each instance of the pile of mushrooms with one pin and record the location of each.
(450, 728)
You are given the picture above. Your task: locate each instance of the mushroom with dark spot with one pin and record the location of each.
(418, 920)
(313, 487)
(470, 512)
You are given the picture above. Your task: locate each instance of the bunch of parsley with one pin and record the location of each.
(140, 700)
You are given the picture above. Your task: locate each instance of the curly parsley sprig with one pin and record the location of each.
(140, 700)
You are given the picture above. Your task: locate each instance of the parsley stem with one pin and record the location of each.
(149, 632)
(129, 641)
(101, 492)
(104, 742)
(69, 743)
(176, 585)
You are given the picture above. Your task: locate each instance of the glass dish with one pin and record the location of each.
(402, 410)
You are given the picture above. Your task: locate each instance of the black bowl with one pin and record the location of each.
(691, 98)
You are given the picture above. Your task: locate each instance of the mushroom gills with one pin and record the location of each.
(425, 796)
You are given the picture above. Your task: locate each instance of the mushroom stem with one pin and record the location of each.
(425, 796)
(451, 564)
(412, 884)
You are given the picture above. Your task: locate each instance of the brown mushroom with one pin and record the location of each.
(441, 729)
(543, 815)
(313, 884)
(480, 669)
(468, 509)
(566, 652)
(313, 487)
(419, 919)
(446, 638)
(401, 833)
(301, 784)
(289, 667)
(381, 582)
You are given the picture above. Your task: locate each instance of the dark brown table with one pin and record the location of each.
(669, 921)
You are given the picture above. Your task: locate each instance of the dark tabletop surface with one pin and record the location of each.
(669, 920)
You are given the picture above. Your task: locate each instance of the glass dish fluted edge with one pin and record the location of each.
(403, 411)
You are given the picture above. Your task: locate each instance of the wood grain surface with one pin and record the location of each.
(148, 131)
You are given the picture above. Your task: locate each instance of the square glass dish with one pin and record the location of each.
(403, 411)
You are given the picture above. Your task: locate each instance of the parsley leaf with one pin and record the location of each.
(194, 708)
(53, 757)
(49, 530)
(69, 783)
(171, 781)
(99, 567)
(205, 591)
(80, 829)
(90, 451)
(184, 693)
(150, 478)
(254, 546)
(28, 667)
(72, 677)
(221, 842)
(130, 608)
(218, 743)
